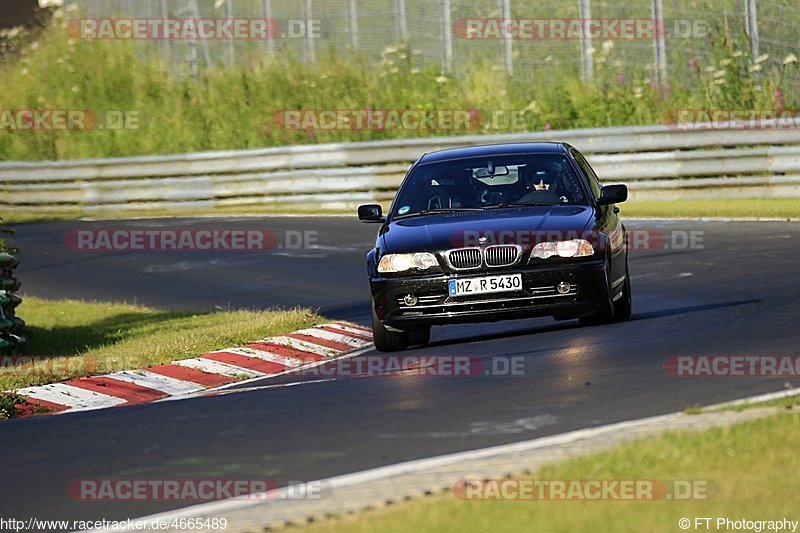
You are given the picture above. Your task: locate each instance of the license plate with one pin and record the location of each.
(484, 285)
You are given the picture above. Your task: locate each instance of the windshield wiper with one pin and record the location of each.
(441, 210)
(520, 204)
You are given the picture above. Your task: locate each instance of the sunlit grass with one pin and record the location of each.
(81, 338)
(746, 207)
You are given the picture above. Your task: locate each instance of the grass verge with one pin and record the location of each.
(28, 217)
(787, 402)
(750, 463)
(749, 207)
(89, 338)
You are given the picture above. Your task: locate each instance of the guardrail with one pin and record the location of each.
(657, 162)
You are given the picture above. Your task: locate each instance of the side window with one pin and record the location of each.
(594, 183)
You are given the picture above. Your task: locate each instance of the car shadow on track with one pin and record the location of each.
(504, 334)
(691, 309)
(574, 324)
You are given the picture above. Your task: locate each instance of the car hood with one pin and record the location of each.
(462, 228)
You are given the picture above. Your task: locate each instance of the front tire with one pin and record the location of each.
(420, 335)
(386, 340)
(604, 313)
(623, 307)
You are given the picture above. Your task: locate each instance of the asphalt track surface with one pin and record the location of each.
(733, 293)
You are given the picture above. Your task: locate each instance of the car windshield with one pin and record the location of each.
(489, 182)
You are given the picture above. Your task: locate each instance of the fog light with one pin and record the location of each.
(410, 300)
(563, 287)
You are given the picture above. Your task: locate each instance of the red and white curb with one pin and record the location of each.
(266, 357)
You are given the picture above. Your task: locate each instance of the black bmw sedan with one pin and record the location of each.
(487, 233)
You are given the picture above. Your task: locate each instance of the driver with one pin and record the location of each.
(547, 182)
(547, 178)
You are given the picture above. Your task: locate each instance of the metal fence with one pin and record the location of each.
(657, 163)
(692, 32)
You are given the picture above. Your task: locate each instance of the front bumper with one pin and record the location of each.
(538, 297)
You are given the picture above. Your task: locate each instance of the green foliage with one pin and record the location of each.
(235, 107)
(3, 243)
(7, 405)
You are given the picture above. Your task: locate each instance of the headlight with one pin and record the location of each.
(572, 248)
(403, 262)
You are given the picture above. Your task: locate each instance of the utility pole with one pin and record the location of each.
(659, 44)
(508, 50)
(587, 60)
(353, 12)
(751, 27)
(447, 36)
(311, 53)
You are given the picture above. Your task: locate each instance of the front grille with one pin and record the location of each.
(464, 258)
(492, 256)
(504, 255)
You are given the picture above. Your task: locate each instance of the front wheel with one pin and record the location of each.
(421, 335)
(624, 306)
(604, 313)
(386, 340)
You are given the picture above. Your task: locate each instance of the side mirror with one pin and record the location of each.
(613, 194)
(370, 213)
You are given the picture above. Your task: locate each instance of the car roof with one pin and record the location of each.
(494, 149)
